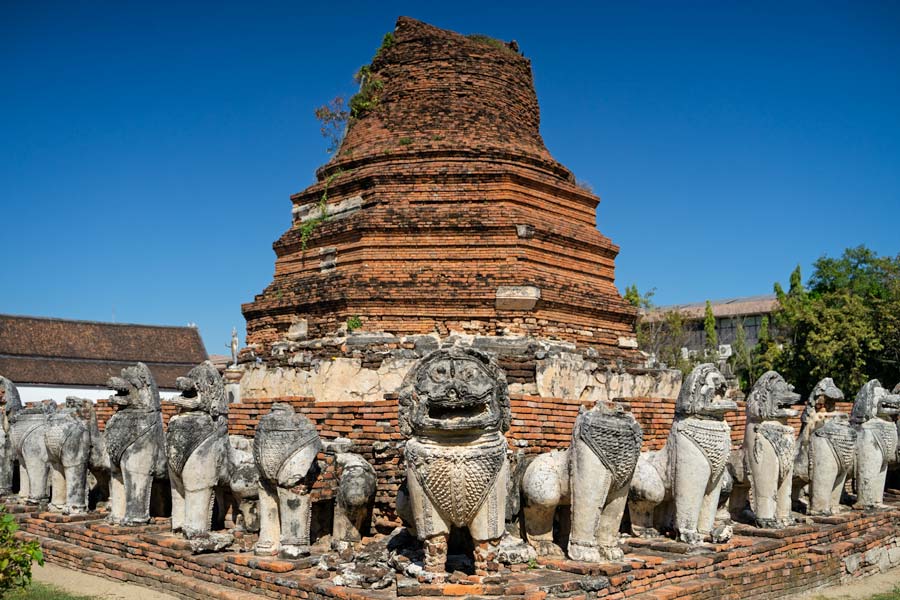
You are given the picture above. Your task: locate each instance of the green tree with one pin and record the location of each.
(16, 555)
(709, 329)
(660, 334)
(742, 357)
(844, 325)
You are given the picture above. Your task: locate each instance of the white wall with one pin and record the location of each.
(36, 393)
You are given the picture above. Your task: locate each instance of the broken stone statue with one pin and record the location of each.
(454, 408)
(876, 441)
(826, 450)
(27, 424)
(768, 450)
(593, 476)
(135, 444)
(68, 441)
(8, 391)
(198, 454)
(285, 449)
(355, 492)
(678, 486)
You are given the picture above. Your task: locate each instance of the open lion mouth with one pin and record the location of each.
(443, 412)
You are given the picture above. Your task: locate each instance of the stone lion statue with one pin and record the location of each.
(678, 486)
(68, 438)
(198, 454)
(285, 449)
(593, 477)
(826, 450)
(135, 444)
(768, 450)
(9, 401)
(27, 424)
(454, 408)
(876, 441)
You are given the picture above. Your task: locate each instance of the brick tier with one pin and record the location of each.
(440, 199)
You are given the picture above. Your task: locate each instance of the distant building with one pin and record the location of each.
(728, 313)
(55, 358)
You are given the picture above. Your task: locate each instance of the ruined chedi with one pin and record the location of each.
(443, 212)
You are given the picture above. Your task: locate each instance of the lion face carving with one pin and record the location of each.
(135, 388)
(9, 397)
(771, 398)
(202, 390)
(454, 390)
(703, 394)
(874, 401)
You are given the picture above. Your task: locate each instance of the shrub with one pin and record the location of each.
(16, 556)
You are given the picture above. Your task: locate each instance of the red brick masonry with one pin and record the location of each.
(756, 564)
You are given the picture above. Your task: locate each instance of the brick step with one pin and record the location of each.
(133, 571)
(697, 590)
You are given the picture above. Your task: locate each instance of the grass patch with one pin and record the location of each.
(42, 591)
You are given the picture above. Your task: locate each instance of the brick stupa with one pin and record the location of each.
(445, 213)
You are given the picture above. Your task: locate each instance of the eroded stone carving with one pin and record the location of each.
(678, 486)
(135, 444)
(593, 476)
(285, 449)
(876, 441)
(826, 450)
(244, 484)
(355, 491)
(198, 455)
(768, 449)
(454, 408)
(27, 424)
(68, 437)
(8, 395)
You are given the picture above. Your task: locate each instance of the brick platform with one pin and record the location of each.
(756, 564)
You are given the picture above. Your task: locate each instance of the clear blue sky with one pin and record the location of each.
(148, 150)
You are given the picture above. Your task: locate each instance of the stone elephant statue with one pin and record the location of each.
(68, 438)
(678, 487)
(876, 441)
(826, 450)
(135, 445)
(766, 462)
(593, 476)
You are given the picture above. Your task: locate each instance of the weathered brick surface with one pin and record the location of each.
(754, 565)
(446, 166)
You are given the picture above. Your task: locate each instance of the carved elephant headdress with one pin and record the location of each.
(770, 396)
(135, 388)
(454, 390)
(203, 390)
(703, 393)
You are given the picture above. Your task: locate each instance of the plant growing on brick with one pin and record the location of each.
(16, 555)
(337, 115)
(353, 323)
